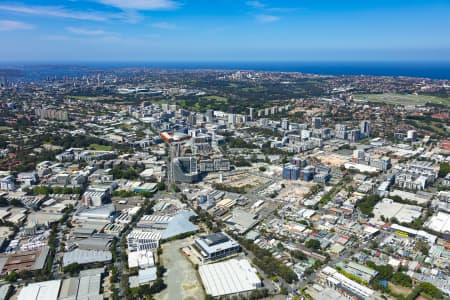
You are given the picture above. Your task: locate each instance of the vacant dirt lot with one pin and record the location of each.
(181, 277)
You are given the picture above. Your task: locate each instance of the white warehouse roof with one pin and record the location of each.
(86, 257)
(229, 277)
(439, 222)
(45, 290)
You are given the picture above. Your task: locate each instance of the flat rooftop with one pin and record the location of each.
(86, 257)
(216, 242)
(45, 290)
(439, 222)
(229, 277)
(404, 213)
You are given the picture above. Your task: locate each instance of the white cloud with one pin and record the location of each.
(84, 31)
(267, 18)
(9, 25)
(164, 25)
(141, 4)
(56, 38)
(255, 4)
(54, 11)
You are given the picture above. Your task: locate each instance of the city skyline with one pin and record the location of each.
(171, 30)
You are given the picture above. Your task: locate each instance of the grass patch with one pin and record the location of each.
(428, 125)
(253, 89)
(399, 290)
(215, 98)
(100, 147)
(403, 99)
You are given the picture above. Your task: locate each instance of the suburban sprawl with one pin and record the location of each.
(213, 184)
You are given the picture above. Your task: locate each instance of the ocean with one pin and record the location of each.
(432, 70)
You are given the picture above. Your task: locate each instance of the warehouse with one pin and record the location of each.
(229, 277)
(242, 220)
(145, 276)
(94, 243)
(86, 257)
(404, 213)
(168, 225)
(143, 240)
(360, 271)
(347, 287)
(24, 260)
(142, 259)
(409, 232)
(45, 290)
(439, 222)
(87, 286)
(421, 198)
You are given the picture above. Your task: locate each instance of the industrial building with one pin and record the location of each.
(95, 196)
(143, 240)
(168, 225)
(103, 212)
(86, 286)
(346, 286)
(229, 277)
(242, 220)
(409, 232)
(404, 213)
(140, 259)
(86, 257)
(45, 290)
(439, 223)
(145, 276)
(24, 260)
(365, 273)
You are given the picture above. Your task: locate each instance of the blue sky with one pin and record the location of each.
(224, 30)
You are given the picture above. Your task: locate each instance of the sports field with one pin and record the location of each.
(403, 99)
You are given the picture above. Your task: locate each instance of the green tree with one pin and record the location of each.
(12, 277)
(72, 269)
(312, 244)
(402, 279)
(444, 169)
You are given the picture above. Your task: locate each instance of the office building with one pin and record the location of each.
(251, 113)
(216, 246)
(340, 131)
(411, 135)
(316, 122)
(358, 155)
(291, 172)
(364, 127)
(7, 183)
(383, 163)
(285, 124)
(354, 135)
(51, 114)
(185, 169)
